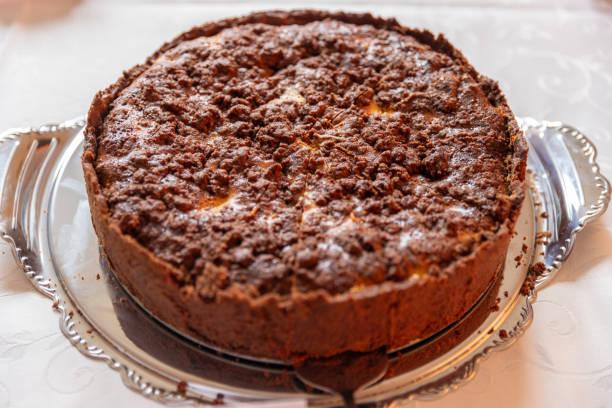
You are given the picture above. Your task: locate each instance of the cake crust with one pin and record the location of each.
(333, 272)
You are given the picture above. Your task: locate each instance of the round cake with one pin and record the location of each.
(299, 184)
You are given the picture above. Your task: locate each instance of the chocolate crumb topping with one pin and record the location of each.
(289, 158)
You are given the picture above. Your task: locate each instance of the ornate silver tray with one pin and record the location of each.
(45, 217)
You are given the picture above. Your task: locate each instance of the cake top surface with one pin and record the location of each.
(295, 157)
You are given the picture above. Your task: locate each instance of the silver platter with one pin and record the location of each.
(45, 217)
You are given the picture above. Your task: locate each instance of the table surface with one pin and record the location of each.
(553, 59)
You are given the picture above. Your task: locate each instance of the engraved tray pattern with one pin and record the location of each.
(565, 184)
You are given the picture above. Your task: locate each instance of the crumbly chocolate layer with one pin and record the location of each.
(288, 158)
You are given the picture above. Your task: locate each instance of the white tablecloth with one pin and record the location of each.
(553, 59)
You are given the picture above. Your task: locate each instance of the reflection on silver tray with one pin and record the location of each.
(45, 216)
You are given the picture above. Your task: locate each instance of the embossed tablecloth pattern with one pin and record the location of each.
(553, 59)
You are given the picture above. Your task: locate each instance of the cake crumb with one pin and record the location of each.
(97, 276)
(181, 387)
(541, 237)
(218, 399)
(505, 293)
(533, 272)
(491, 330)
(518, 259)
(537, 269)
(528, 285)
(503, 334)
(544, 215)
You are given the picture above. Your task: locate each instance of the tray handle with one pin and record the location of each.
(572, 190)
(27, 157)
